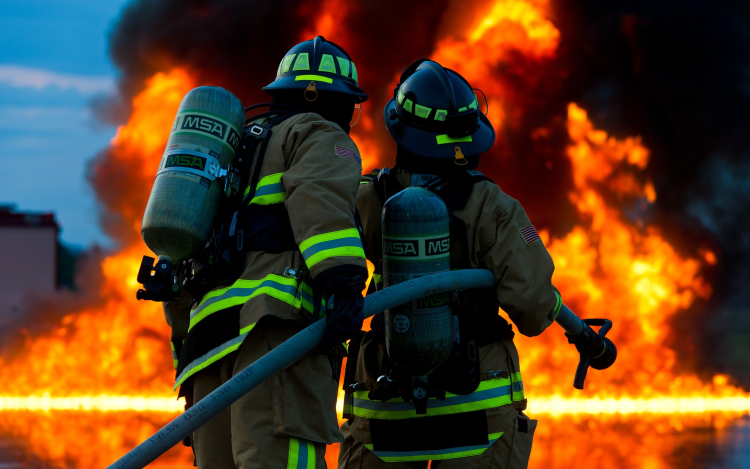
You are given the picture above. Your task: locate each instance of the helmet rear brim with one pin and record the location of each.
(337, 86)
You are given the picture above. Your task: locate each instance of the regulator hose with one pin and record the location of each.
(286, 353)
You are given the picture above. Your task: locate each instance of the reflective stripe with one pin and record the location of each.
(343, 243)
(211, 357)
(441, 139)
(441, 114)
(327, 64)
(343, 65)
(269, 190)
(377, 278)
(313, 78)
(287, 62)
(302, 62)
(435, 454)
(422, 111)
(175, 358)
(355, 77)
(558, 305)
(489, 394)
(276, 286)
(408, 104)
(301, 454)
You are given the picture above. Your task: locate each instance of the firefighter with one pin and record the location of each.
(302, 250)
(440, 135)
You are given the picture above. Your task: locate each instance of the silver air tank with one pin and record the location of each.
(416, 242)
(186, 192)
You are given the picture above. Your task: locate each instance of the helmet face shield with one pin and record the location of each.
(433, 110)
(318, 64)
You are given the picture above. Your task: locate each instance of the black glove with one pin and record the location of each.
(587, 342)
(341, 288)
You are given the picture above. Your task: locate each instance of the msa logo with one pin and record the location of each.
(205, 124)
(233, 139)
(437, 246)
(186, 161)
(434, 301)
(404, 248)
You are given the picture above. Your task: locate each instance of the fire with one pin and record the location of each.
(115, 355)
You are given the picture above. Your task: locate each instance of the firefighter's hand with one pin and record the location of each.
(587, 342)
(342, 293)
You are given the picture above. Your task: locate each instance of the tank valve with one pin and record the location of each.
(162, 285)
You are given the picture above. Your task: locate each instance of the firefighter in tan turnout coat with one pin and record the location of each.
(440, 134)
(302, 250)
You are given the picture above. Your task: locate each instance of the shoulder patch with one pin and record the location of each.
(343, 152)
(529, 234)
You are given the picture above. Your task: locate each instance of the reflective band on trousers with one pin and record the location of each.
(175, 358)
(489, 394)
(341, 243)
(269, 190)
(301, 454)
(436, 454)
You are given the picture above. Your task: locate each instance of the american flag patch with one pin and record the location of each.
(343, 152)
(529, 234)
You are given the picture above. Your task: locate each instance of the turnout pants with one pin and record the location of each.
(510, 451)
(281, 424)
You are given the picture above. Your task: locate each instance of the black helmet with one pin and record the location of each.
(433, 113)
(317, 65)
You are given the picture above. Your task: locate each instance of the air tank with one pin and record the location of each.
(416, 242)
(186, 193)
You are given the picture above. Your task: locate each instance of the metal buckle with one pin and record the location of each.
(256, 130)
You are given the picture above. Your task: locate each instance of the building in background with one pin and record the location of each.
(29, 258)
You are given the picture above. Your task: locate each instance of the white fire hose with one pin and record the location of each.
(290, 351)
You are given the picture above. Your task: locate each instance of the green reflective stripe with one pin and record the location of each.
(305, 299)
(558, 305)
(407, 105)
(175, 358)
(422, 111)
(355, 77)
(441, 139)
(364, 182)
(287, 62)
(343, 65)
(327, 64)
(313, 78)
(269, 190)
(377, 278)
(463, 109)
(301, 454)
(473, 104)
(209, 358)
(302, 62)
(343, 243)
(247, 329)
(278, 70)
(435, 454)
(489, 394)
(400, 96)
(517, 387)
(441, 114)
(241, 291)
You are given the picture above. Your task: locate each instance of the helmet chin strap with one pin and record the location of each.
(357, 106)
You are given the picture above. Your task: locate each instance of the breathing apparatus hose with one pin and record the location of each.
(286, 353)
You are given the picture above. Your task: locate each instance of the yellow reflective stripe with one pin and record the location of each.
(302, 62)
(269, 190)
(327, 64)
(247, 329)
(343, 243)
(343, 65)
(310, 455)
(435, 454)
(517, 387)
(422, 111)
(293, 453)
(407, 104)
(241, 291)
(209, 359)
(313, 78)
(287, 62)
(377, 278)
(355, 77)
(441, 139)
(400, 96)
(489, 394)
(558, 305)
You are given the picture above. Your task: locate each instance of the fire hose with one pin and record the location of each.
(304, 341)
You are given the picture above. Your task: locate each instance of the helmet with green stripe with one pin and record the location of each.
(434, 113)
(320, 65)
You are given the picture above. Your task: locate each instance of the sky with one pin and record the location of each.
(53, 63)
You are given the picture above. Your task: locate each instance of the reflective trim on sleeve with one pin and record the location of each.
(435, 454)
(211, 357)
(442, 139)
(343, 243)
(269, 190)
(175, 358)
(276, 286)
(489, 394)
(558, 305)
(301, 454)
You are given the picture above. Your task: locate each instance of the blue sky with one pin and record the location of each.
(53, 62)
